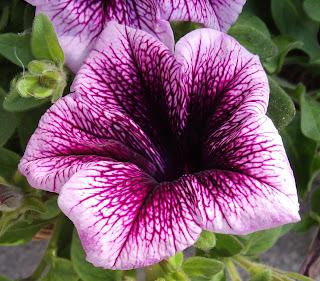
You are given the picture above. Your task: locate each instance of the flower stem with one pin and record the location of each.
(50, 251)
(311, 264)
(232, 270)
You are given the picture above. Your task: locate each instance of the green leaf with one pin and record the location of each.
(28, 122)
(4, 17)
(32, 203)
(45, 45)
(7, 121)
(8, 163)
(221, 276)
(291, 20)
(252, 33)
(85, 270)
(312, 9)
(61, 270)
(203, 267)
(16, 48)
(52, 209)
(175, 261)
(22, 232)
(315, 201)
(281, 109)
(264, 275)
(176, 276)
(15, 102)
(3, 278)
(226, 246)
(261, 241)
(284, 44)
(206, 240)
(310, 118)
(181, 28)
(301, 152)
(307, 222)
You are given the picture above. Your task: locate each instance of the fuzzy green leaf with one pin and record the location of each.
(281, 109)
(45, 45)
(203, 267)
(252, 33)
(206, 240)
(16, 48)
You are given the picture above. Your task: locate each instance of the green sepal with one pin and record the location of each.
(61, 270)
(281, 109)
(50, 79)
(264, 275)
(261, 241)
(44, 43)
(38, 67)
(206, 241)
(52, 207)
(253, 34)
(226, 246)
(175, 262)
(202, 267)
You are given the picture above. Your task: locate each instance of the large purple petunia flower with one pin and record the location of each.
(153, 147)
(78, 23)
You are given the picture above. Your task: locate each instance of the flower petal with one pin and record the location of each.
(134, 73)
(125, 219)
(224, 78)
(250, 185)
(74, 132)
(219, 15)
(79, 23)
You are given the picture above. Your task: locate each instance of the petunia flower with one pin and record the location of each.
(152, 147)
(78, 23)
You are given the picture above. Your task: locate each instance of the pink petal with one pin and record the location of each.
(250, 186)
(217, 14)
(224, 78)
(134, 73)
(79, 23)
(73, 133)
(125, 219)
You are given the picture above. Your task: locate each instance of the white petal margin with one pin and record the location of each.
(254, 189)
(125, 219)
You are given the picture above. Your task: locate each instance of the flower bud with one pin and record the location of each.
(11, 197)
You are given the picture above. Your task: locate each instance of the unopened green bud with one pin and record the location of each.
(37, 67)
(50, 79)
(27, 84)
(11, 197)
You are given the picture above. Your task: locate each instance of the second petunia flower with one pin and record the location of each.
(78, 23)
(152, 147)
